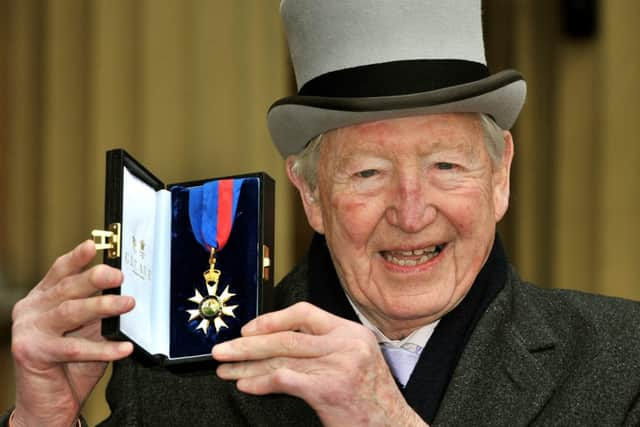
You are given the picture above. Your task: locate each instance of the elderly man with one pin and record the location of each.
(405, 310)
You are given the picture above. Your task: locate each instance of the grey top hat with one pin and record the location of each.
(363, 60)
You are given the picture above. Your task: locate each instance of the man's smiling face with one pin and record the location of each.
(409, 208)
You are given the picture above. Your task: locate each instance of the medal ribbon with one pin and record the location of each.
(212, 210)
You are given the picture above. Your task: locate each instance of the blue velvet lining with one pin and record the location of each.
(238, 261)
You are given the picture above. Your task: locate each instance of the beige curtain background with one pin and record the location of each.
(575, 212)
(184, 86)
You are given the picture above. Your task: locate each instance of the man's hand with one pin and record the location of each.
(335, 365)
(57, 348)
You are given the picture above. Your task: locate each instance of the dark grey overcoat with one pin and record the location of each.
(536, 357)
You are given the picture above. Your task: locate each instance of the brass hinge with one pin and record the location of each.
(266, 263)
(108, 240)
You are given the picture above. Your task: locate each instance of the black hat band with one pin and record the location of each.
(395, 78)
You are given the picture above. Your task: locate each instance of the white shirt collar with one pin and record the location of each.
(415, 341)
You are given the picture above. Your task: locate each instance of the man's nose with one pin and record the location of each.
(411, 208)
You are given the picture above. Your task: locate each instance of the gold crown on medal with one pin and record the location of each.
(212, 276)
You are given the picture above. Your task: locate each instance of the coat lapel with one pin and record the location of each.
(504, 375)
(433, 372)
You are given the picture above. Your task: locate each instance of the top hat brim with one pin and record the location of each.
(293, 121)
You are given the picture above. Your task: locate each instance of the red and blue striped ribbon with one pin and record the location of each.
(212, 210)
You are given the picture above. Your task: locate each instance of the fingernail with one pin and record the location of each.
(220, 350)
(127, 302)
(124, 347)
(223, 371)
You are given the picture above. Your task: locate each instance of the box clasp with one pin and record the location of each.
(266, 263)
(108, 240)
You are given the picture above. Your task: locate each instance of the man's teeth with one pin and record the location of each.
(418, 256)
(417, 251)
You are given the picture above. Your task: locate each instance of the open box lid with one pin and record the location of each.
(149, 235)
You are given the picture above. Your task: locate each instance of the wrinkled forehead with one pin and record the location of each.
(417, 135)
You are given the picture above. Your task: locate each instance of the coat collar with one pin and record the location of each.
(433, 372)
(458, 349)
(506, 367)
(505, 370)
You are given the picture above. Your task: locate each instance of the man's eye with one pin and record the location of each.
(367, 173)
(445, 166)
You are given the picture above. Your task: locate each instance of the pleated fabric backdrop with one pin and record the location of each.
(184, 86)
(574, 218)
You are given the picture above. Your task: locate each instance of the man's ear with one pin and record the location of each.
(501, 178)
(310, 199)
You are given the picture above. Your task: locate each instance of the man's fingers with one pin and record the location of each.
(74, 349)
(70, 263)
(77, 286)
(75, 313)
(236, 371)
(85, 284)
(283, 380)
(302, 316)
(279, 344)
(46, 350)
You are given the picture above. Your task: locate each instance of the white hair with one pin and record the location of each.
(305, 163)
